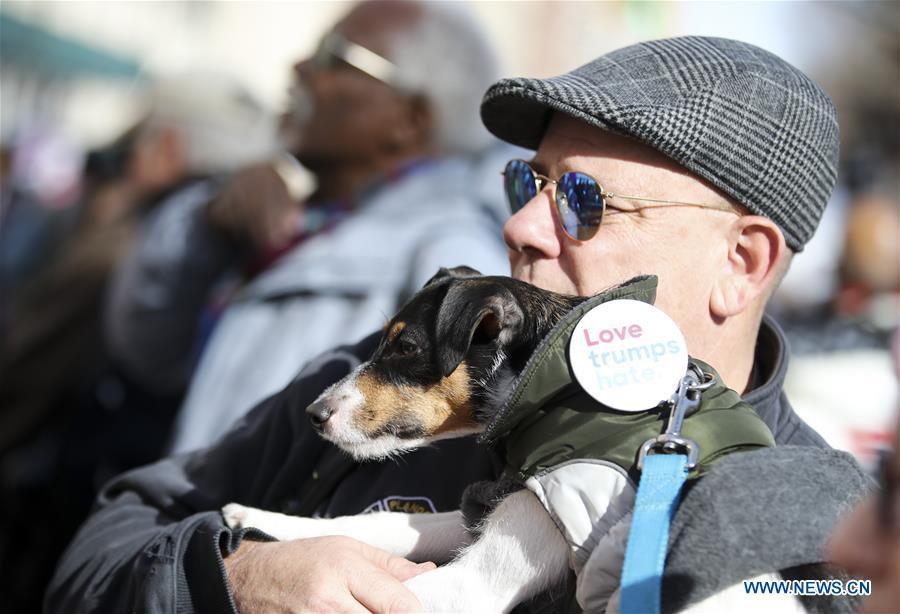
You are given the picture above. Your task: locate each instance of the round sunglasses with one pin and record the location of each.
(580, 200)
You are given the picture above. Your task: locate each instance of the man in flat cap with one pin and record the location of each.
(706, 162)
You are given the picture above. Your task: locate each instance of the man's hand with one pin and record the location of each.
(256, 209)
(320, 574)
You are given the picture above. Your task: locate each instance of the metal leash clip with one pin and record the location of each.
(683, 403)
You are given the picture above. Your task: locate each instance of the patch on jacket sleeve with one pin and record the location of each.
(407, 505)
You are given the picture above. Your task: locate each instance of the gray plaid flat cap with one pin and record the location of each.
(734, 114)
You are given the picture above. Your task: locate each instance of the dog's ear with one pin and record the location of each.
(484, 312)
(457, 272)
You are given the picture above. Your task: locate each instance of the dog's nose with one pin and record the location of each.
(319, 413)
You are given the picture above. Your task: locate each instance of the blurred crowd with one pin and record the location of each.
(70, 416)
(198, 260)
(212, 249)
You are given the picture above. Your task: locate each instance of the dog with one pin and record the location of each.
(443, 368)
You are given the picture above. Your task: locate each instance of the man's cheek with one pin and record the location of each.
(554, 278)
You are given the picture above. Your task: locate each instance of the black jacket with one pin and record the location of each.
(155, 540)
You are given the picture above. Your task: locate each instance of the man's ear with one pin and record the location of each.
(474, 312)
(414, 124)
(422, 117)
(756, 251)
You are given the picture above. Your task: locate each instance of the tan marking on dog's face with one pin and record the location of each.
(396, 329)
(437, 409)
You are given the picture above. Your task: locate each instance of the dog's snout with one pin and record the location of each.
(319, 412)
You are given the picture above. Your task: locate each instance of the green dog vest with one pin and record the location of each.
(579, 457)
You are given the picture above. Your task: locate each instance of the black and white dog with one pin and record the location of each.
(442, 369)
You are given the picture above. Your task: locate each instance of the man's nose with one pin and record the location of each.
(533, 227)
(306, 72)
(319, 412)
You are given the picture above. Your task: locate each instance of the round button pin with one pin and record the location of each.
(628, 355)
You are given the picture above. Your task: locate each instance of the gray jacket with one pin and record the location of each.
(330, 290)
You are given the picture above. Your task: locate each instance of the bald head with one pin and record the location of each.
(377, 23)
(441, 52)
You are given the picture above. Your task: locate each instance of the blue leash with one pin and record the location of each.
(645, 556)
(665, 462)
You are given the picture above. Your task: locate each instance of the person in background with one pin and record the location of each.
(870, 266)
(40, 177)
(867, 541)
(846, 340)
(384, 115)
(69, 419)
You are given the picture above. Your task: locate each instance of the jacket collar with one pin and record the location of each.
(770, 363)
(767, 396)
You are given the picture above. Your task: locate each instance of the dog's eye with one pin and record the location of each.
(407, 348)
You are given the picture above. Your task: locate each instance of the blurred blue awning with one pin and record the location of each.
(39, 51)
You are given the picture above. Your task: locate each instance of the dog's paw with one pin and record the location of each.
(277, 525)
(236, 516)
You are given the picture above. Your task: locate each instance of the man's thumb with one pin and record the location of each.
(410, 569)
(402, 569)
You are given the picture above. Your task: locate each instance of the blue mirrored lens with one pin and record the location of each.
(580, 205)
(519, 183)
